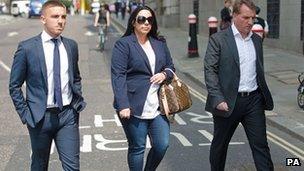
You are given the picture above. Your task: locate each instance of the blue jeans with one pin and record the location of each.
(136, 131)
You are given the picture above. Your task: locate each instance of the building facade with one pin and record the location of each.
(285, 18)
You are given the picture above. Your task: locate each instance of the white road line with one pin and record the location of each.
(3, 65)
(206, 134)
(179, 120)
(89, 33)
(231, 143)
(11, 34)
(182, 139)
(84, 127)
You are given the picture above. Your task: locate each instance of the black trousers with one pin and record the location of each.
(249, 111)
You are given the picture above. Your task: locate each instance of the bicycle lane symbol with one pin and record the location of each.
(91, 142)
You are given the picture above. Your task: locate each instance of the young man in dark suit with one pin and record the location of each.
(48, 63)
(237, 89)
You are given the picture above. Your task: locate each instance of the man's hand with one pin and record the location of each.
(222, 106)
(125, 113)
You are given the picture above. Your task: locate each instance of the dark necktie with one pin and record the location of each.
(57, 80)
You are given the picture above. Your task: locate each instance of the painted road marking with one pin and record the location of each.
(2, 64)
(11, 34)
(286, 145)
(89, 33)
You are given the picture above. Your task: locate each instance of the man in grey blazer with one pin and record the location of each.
(48, 63)
(237, 90)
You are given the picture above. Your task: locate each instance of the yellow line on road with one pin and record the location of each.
(117, 28)
(5, 66)
(286, 145)
(271, 136)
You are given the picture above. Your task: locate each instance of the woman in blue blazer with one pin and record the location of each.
(140, 63)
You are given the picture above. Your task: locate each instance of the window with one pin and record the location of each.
(273, 18)
(302, 20)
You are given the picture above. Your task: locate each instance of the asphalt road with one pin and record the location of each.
(103, 143)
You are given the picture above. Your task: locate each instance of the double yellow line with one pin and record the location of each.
(271, 136)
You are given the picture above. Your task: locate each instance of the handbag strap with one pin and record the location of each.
(165, 103)
(174, 76)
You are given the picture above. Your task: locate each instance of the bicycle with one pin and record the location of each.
(300, 97)
(102, 37)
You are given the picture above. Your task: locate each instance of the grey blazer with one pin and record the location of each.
(29, 65)
(222, 72)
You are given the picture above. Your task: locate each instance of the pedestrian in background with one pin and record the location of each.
(102, 20)
(48, 63)
(123, 10)
(237, 89)
(261, 22)
(117, 8)
(226, 15)
(141, 61)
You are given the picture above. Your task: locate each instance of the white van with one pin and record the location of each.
(20, 7)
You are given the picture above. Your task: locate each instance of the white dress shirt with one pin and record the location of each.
(151, 104)
(48, 49)
(247, 59)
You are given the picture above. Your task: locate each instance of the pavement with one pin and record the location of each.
(281, 70)
(6, 19)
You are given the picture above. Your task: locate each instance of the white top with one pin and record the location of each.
(48, 49)
(247, 58)
(151, 104)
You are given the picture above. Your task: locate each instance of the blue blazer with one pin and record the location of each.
(29, 65)
(131, 71)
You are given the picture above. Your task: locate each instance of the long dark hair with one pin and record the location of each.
(130, 29)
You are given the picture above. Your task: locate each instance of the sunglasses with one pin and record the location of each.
(142, 19)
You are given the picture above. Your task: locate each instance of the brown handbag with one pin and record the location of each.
(174, 96)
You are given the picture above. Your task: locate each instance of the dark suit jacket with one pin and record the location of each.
(222, 72)
(131, 72)
(29, 65)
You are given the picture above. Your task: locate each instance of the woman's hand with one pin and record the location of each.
(125, 113)
(158, 78)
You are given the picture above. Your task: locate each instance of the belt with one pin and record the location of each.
(56, 109)
(246, 94)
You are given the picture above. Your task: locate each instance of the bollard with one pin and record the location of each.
(212, 24)
(258, 29)
(192, 41)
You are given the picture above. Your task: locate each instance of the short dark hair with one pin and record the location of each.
(225, 1)
(52, 3)
(238, 3)
(130, 28)
(106, 6)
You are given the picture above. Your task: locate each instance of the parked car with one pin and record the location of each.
(20, 7)
(3, 8)
(35, 7)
